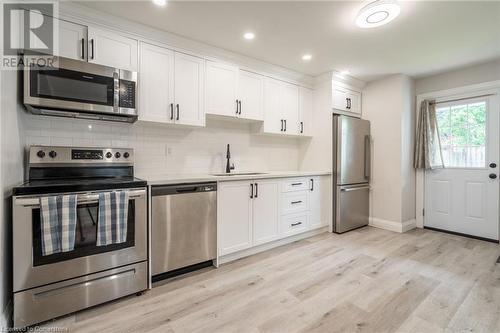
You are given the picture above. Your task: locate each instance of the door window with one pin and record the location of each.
(462, 130)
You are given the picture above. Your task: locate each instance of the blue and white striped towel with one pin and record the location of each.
(113, 217)
(58, 217)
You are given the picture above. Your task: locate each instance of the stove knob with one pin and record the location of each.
(109, 155)
(52, 153)
(40, 154)
(117, 155)
(126, 154)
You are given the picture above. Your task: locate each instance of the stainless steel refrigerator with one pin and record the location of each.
(351, 173)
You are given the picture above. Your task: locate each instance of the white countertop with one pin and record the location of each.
(168, 179)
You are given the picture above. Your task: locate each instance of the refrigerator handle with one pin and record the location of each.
(368, 170)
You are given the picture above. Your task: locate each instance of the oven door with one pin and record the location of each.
(74, 85)
(32, 269)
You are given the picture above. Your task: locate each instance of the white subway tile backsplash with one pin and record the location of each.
(161, 149)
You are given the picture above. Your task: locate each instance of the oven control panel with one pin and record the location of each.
(72, 155)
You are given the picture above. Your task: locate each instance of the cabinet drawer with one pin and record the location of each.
(294, 202)
(295, 184)
(294, 224)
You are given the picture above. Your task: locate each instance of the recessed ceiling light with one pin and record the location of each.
(306, 57)
(345, 72)
(378, 13)
(160, 2)
(249, 35)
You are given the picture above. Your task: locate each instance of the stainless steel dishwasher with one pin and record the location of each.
(184, 227)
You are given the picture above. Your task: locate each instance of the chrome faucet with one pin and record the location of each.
(229, 166)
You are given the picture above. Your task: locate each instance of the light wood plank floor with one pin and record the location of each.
(368, 280)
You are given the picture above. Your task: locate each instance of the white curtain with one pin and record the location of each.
(428, 153)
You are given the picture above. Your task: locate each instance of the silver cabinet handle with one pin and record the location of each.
(355, 188)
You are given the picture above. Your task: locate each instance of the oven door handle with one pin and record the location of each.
(81, 198)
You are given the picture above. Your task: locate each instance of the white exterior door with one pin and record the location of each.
(251, 95)
(188, 86)
(221, 89)
(265, 211)
(234, 217)
(156, 84)
(463, 197)
(109, 49)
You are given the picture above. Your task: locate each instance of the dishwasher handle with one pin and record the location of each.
(182, 189)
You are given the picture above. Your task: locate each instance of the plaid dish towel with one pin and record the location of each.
(58, 223)
(113, 216)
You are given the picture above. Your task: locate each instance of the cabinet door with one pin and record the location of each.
(221, 89)
(315, 202)
(156, 84)
(305, 111)
(188, 86)
(291, 108)
(251, 95)
(234, 217)
(273, 107)
(266, 211)
(354, 101)
(110, 49)
(72, 40)
(339, 98)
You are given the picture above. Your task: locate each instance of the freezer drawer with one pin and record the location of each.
(183, 225)
(352, 207)
(35, 305)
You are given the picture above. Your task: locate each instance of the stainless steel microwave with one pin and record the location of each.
(80, 89)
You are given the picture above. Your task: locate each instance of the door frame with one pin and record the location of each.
(491, 87)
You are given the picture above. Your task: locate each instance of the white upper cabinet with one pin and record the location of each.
(72, 40)
(110, 49)
(290, 103)
(189, 83)
(251, 96)
(222, 89)
(171, 86)
(281, 107)
(305, 111)
(156, 84)
(346, 100)
(273, 114)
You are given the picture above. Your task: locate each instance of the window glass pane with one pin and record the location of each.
(462, 131)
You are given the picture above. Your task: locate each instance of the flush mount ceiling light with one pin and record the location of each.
(249, 35)
(306, 57)
(377, 13)
(160, 2)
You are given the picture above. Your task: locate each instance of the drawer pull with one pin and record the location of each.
(296, 202)
(296, 224)
(296, 184)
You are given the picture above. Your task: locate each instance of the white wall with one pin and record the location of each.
(388, 105)
(12, 142)
(485, 72)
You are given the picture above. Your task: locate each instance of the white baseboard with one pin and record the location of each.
(268, 246)
(393, 225)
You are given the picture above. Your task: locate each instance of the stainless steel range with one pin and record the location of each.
(48, 286)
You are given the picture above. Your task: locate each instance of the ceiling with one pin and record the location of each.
(428, 37)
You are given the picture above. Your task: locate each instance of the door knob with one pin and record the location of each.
(493, 176)
(493, 165)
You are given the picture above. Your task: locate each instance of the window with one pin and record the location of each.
(462, 130)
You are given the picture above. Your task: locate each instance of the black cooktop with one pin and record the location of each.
(62, 185)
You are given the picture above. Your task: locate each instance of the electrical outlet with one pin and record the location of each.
(168, 150)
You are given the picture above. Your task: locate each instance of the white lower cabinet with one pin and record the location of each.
(259, 211)
(265, 211)
(234, 217)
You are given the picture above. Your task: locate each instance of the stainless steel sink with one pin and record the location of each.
(238, 174)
